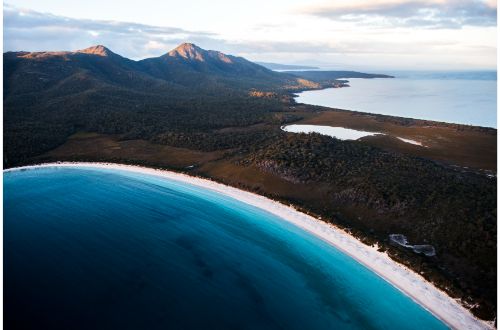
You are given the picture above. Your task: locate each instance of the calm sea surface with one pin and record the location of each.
(108, 249)
(454, 97)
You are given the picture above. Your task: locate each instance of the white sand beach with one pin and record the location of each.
(412, 284)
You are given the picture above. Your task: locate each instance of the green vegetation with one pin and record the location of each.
(223, 114)
(393, 193)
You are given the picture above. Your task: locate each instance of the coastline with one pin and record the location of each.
(372, 106)
(410, 283)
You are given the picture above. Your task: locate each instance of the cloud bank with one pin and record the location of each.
(344, 45)
(35, 31)
(435, 14)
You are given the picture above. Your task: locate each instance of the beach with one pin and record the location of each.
(413, 285)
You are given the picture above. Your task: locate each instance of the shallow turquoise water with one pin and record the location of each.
(458, 97)
(98, 248)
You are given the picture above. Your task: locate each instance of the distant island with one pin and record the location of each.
(277, 66)
(218, 116)
(331, 75)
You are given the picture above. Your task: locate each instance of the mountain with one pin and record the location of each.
(191, 65)
(98, 50)
(187, 66)
(185, 70)
(277, 66)
(62, 73)
(98, 90)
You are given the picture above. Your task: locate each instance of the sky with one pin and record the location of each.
(336, 34)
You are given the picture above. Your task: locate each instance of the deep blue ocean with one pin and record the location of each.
(462, 97)
(105, 249)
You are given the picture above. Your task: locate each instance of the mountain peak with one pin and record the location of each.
(188, 51)
(99, 50)
(191, 52)
(187, 46)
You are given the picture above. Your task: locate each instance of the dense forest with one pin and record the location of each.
(226, 103)
(453, 211)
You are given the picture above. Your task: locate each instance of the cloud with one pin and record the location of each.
(30, 30)
(35, 31)
(437, 14)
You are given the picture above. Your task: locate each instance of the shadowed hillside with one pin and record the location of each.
(50, 95)
(95, 89)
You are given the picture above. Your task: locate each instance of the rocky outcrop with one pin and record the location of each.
(402, 241)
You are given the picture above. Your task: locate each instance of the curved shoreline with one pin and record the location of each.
(408, 282)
